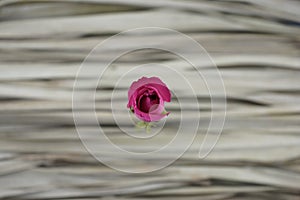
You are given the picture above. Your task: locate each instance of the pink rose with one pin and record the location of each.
(146, 98)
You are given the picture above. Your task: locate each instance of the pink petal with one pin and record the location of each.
(153, 115)
(154, 82)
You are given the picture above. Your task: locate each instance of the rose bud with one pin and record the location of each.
(146, 98)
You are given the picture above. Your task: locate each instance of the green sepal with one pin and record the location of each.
(144, 125)
(164, 112)
(141, 124)
(131, 109)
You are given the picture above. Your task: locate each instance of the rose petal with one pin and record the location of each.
(154, 82)
(164, 92)
(149, 117)
(154, 115)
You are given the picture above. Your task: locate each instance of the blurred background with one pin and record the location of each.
(254, 43)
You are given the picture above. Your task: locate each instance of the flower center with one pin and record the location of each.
(148, 100)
